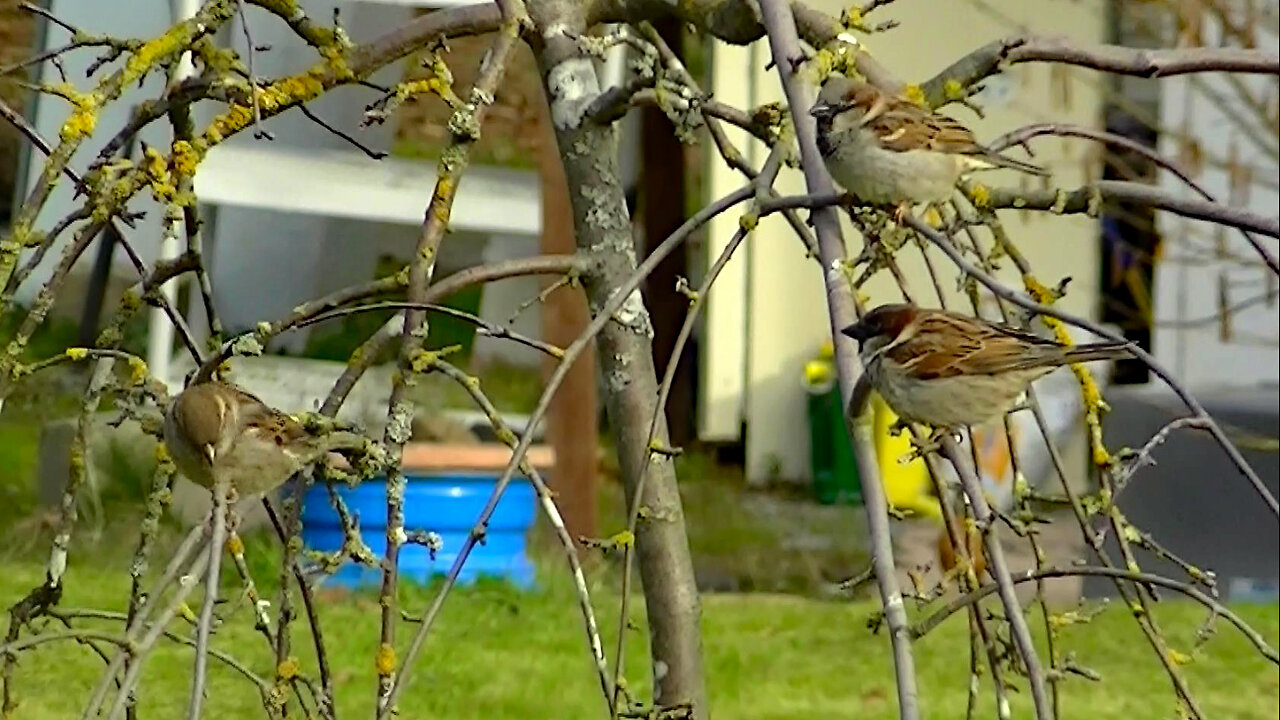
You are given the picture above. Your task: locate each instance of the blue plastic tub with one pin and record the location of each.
(445, 503)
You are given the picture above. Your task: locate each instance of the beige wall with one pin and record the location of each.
(779, 291)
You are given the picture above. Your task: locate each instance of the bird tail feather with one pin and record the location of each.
(992, 160)
(1099, 351)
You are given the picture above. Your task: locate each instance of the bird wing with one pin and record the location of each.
(903, 125)
(259, 417)
(943, 345)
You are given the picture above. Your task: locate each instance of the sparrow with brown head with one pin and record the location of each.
(218, 431)
(887, 150)
(950, 370)
(238, 447)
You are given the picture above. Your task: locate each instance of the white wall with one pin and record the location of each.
(722, 385)
(1192, 273)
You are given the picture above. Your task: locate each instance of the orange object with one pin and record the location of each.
(485, 456)
(460, 457)
(947, 554)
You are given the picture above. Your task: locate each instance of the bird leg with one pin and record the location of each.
(920, 448)
(931, 444)
(941, 432)
(900, 212)
(898, 427)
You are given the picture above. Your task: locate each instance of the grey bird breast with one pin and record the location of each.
(889, 177)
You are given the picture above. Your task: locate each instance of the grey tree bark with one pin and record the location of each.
(625, 354)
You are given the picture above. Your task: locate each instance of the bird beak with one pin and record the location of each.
(857, 331)
(823, 110)
(208, 453)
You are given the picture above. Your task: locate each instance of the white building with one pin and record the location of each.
(291, 219)
(1217, 308)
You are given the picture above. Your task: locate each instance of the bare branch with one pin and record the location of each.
(1000, 571)
(484, 326)
(1145, 620)
(935, 619)
(841, 304)
(204, 625)
(1088, 199)
(465, 128)
(1024, 134)
(989, 59)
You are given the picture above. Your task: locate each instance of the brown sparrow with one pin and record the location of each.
(217, 431)
(949, 370)
(887, 150)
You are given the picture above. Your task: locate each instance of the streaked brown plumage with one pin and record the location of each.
(889, 150)
(949, 370)
(216, 430)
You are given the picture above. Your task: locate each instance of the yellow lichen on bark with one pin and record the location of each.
(1090, 394)
(385, 662)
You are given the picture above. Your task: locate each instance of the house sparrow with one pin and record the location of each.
(949, 370)
(217, 431)
(887, 150)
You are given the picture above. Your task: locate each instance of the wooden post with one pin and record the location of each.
(662, 210)
(573, 420)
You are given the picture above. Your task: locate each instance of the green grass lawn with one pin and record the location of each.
(500, 653)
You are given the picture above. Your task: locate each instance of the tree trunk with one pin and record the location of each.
(603, 236)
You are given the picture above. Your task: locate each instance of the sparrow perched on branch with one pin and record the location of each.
(949, 370)
(218, 432)
(887, 150)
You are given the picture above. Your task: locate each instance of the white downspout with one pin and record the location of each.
(159, 329)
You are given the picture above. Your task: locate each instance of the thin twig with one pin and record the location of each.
(999, 569)
(374, 154)
(990, 58)
(1146, 622)
(1255, 638)
(547, 502)
(1022, 135)
(1143, 456)
(841, 303)
(484, 326)
(465, 128)
(325, 702)
(217, 543)
(258, 132)
(761, 184)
